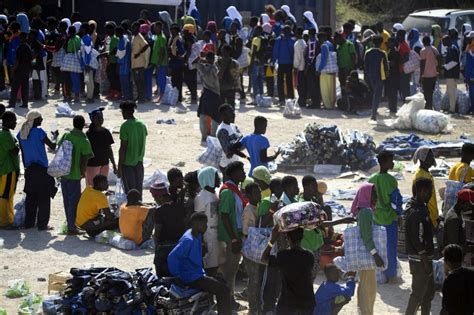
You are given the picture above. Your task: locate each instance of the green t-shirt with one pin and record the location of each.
(134, 131)
(81, 148)
(385, 184)
(159, 45)
(8, 162)
(264, 207)
(113, 44)
(312, 240)
(227, 206)
(345, 52)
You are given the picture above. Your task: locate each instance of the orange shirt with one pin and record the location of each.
(131, 221)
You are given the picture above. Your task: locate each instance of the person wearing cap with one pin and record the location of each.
(261, 175)
(257, 145)
(136, 221)
(426, 157)
(133, 134)
(39, 186)
(346, 59)
(451, 71)
(140, 59)
(101, 141)
(454, 226)
(169, 225)
(469, 68)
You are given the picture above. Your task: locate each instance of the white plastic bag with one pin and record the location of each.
(406, 114)
(61, 163)
(430, 121)
(292, 109)
(264, 101)
(437, 97)
(157, 175)
(120, 195)
(463, 103)
(211, 156)
(121, 242)
(64, 110)
(19, 219)
(170, 96)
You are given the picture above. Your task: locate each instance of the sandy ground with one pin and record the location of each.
(31, 255)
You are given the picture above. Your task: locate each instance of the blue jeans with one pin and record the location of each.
(161, 78)
(148, 84)
(377, 88)
(258, 76)
(471, 96)
(71, 190)
(392, 239)
(75, 82)
(126, 86)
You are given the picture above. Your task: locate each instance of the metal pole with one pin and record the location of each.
(176, 14)
(184, 8)
(73, 6)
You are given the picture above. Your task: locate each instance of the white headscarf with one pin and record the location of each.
(397, 27)
(3, 17)
(234, 14)
(421, 153)
(28, 124)
(77, 26)
(68, 21)
(288, 12)
(309, 16)
(192, 6)
(264, 18)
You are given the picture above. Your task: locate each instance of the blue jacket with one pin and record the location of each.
(326, 48)
(376, 65)
(469, 67)
(326, 294)
(284, 50)
(11, 52)
(185, 260)
(125, 62)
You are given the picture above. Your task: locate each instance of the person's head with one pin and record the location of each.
(385, 159)
(465, 201)
(210, 57)
(310, 185)
(339, 38)
(92, 27)
(23, 37)
(9, 120)
(226, 50)
(160, 193)
(199, 223)
(379, 27)
(174, 29)
(295, 237)
(133, 197)
(366, 197)
(14, 27)
(426, 157)
(78, 122)
(38, 121)
(71, 31)
(289, 185)
(331, 272)
(235, 172)
(270, 9)
(100, 182)
(322, 37)
(260, 125)
(377, 40)
(253, 193)
(158, 27)
(125, 24)
(253, 21)
(422, 189)
(144, 30)
(401, 35)
(208, 178)
(275, 187)
(119, 32)
(354, 76)
(312, 32)
(32, 35)
(227, 113)
(447, 41)
(85, 29)
(348, 27)
(261, 176)
(97, 117)
(2, 109)
(453, 33)
(299, 32)
(453, 257)
(206, 36)
(192, 183)
(75, 17)
(258, 30)
(135, 28)
(221, 35)
(234, 27)
(286, 30)
(109, 28)
(128, 109)
(426, 41)
(62, 28)
(52, 23)
(467, 153)
(144, 14)
(175, 178)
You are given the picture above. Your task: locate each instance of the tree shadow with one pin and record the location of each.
(74, 245)
(11, 238)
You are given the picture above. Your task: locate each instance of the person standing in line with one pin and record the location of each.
(469, 69)
(111, 42)
(420, 248)
(20, 72)
(71, 183)
(101, 141)
(257, 61)
(326, 70)
(429, 65)
(312, 78)
(283, 53)
(149, 68)
(392, 85)
(385, 36)
(229, 75)
(451, 71)
(300, 66)
(176, 61)
(140, 59)
(32, 141)
(124, 55)
(9, 168)
(404, 53)
(346, 59)
(376, 67)
(159, 57)
(189, 72)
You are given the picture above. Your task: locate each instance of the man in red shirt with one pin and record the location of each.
(404, 52)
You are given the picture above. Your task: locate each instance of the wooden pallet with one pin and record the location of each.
(57, 281)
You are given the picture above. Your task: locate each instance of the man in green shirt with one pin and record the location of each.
(346, 58)
(159, 57)
(9, 168)
(133, 133)
(71, 183)
(384, 214)
(229, 228)
(112, 71)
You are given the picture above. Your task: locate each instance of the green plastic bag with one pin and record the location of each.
(63, 229)
(3, 311)
(17, 288)
(30, 305)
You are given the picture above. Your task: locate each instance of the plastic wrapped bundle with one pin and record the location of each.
(360, 150)
(298, 215)
(430, 121)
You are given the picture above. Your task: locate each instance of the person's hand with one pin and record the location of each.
(115, 169)
(55, 134)
(275, 233)
(351, 274)
(348, 220)
(119, 172)
(378, 260)
(136, 56)
(236, 246)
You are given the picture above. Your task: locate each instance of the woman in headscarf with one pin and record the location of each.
(288, 13)
(208, 202)
(309, 21)
(234, 14)
(71, 65)
(436, 35)
(362, 208)
(212, 27)
(426, 158)
(264, 18)
(39, 186)
(101, 142)
(93, 33)
(194, 11)
(22, 18)
(67, 21)
(165, 18)
(77, 25)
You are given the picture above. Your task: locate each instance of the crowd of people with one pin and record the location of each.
(200, 220)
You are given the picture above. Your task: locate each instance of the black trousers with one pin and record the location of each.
(285, 74)
(343, 74)
(313, 88)
(38, 200)
(99, 224)
(422, 289)
(405, 85)
(270, 82)
(19, 80)
(139, 79)
(228, 97)
(271, 286)
(132, 177)
(428, 85)
(217, 288)
(302, 88)
(190, 78)
(177, 77)
(392, 86)
(113, 77)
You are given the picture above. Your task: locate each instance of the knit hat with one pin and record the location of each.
(466, 195)
(158, 189)
(262, 173)
(95, 112)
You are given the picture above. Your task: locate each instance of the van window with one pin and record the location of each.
(424, 23)
(462, 19)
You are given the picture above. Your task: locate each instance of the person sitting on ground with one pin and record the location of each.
(357, 94)
(454, 226)
(136, 220)
(93, 212)
(169, 225)
(257, 145)
(331, 296)
(462, 171)
(185, 263)
(458, 287)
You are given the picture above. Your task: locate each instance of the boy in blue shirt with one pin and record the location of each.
(185, 263)
(331, 296)
(257, 145)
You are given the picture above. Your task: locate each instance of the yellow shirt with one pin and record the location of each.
(266, 193)
(458, 170)
(385, 36)
(89, 205)
(131, 222)
(432, 203)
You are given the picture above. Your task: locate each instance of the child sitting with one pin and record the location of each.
(331, 296)
(136, 220)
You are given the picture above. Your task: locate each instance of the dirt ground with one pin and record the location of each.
(32, 255)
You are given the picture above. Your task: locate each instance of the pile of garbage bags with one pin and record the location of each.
(326, 144)
(113, 291)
